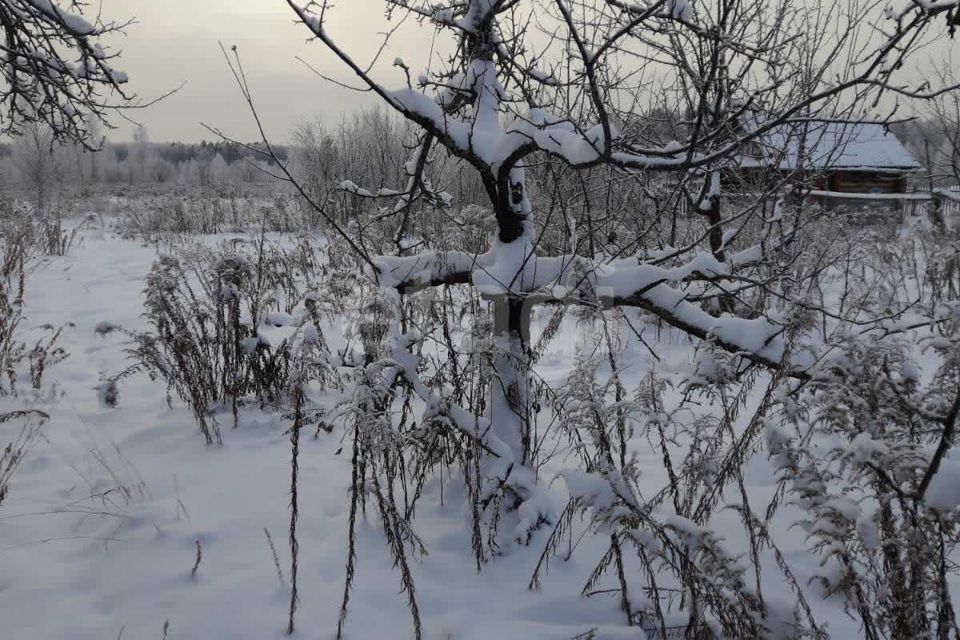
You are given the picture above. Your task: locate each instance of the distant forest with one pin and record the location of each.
(179, 152)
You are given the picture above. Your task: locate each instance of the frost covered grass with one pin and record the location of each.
(117, 557)
(167, 215)
(662, 469)
(14, 452)
(221, 325)
(19, 245)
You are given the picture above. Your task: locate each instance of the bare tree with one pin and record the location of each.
(57, 70)
(504, 99)
(38, 164)
(672, 99)
(142, 153)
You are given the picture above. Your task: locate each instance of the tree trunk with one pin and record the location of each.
(715, 220)
(510, 386)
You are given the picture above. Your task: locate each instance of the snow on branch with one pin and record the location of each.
(408, 274)
(576, 280)
(477, 119)
(762, 340)
(501, 468)
(57, 70)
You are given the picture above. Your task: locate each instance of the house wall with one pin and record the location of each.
(842, 181)
(867, 182)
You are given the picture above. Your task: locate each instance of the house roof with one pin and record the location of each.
(950, 193)
(831, 145)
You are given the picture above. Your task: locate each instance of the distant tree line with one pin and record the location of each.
(36, 168)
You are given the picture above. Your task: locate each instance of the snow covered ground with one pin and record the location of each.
(100, 533)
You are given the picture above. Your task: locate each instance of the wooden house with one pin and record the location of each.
(838, 161)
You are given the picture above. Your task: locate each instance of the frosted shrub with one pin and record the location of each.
(18, 358)
(210, 312)
(52, 237)
(692, 583)
(155, 217)
(13, 453)
(12, 283)
(879, 487)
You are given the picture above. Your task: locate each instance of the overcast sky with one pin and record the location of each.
(176, 41)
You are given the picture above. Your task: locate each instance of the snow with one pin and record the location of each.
(835, 145)
(922, 197)
(422, 269)
(477, 12)
(944, 490)
(925, 5)
(485, 137)
(680, 10)
(515, 268)
(864, 448)
(845, 507)
(591, 487)
(105, 327)
(444, 17)
(542, 76)
(760, 336)
(508, 267)
(72, 21)
(713, 192)
(949, 193)
(867, 530)
(117, 76)
(85, 569)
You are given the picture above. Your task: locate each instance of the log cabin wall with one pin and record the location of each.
(867, 182)
(842, 181)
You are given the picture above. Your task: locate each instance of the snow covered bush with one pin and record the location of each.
(54, 238)
(18, 358)
(864, 452)
(223, 324)
(12, 283)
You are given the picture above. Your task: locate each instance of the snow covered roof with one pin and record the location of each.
(832, 145)
(950, 193)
